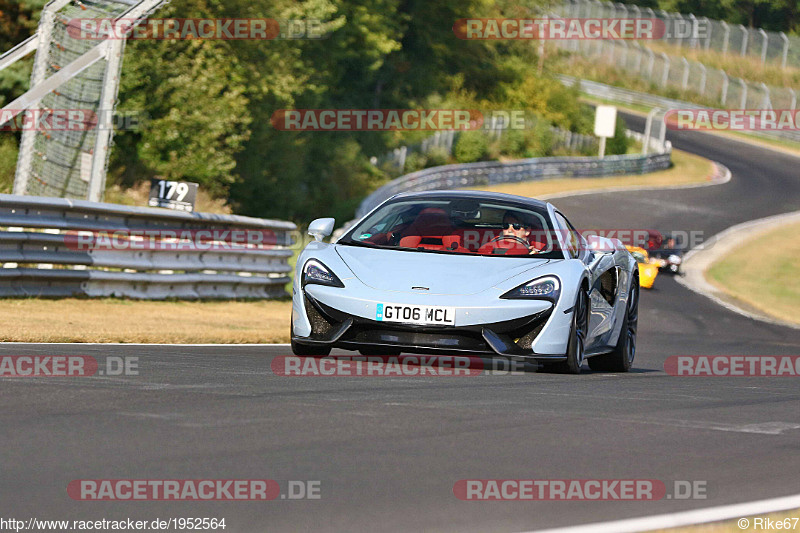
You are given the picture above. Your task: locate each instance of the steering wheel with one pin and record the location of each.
(511, 238)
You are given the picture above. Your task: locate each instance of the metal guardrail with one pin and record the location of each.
(541, 168)
(41, 254)
(627, 96)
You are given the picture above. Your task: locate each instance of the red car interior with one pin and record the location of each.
(432, 229)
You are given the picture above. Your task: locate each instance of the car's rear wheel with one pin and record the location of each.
(621, 359)
(576, 349)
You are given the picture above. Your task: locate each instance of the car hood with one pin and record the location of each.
(399, 271)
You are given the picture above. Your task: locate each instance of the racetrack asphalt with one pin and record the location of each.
(388, 451)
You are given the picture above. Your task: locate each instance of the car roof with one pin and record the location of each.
(476, 195)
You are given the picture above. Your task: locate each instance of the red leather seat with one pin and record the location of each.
(430, 221)
(428, 242)
(473, 239)
(433, 242)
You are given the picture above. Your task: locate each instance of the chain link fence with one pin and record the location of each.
(699, 32)
(690, 79)
(59, 159)
(710, 86)
(75, 75)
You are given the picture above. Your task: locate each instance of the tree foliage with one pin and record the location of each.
(774, 15)
(208, 103)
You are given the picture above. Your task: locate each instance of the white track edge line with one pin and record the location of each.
(684, 518)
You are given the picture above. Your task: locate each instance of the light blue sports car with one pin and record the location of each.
(467, 273)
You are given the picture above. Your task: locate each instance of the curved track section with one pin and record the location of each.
(388, 450)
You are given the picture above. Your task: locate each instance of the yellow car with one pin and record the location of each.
(647, 270)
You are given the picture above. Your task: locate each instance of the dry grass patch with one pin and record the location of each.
(747, 67)
(111, 320)
(764, 272)
(687, 169)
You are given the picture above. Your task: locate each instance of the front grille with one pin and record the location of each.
(461, 340)
(521, 334)
(511, 336)
(526, 341)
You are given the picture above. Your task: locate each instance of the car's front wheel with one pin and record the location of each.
(576, 349)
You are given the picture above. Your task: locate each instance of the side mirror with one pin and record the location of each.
(321, 228)
(601, 245)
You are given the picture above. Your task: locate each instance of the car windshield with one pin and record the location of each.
(639, 256)
(458, 226)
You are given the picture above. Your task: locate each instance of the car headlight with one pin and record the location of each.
(675, 259)
(544, 288)
(316, 272)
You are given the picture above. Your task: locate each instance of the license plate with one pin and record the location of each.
(428, 315)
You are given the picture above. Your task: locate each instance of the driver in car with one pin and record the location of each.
(515, 232)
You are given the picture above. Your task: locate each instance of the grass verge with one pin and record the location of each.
(773, 256)
(112, 320)
(687, 169)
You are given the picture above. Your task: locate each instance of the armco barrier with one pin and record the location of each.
(493, 172)
(39, 255)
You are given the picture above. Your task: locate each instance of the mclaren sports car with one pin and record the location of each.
(467, 273)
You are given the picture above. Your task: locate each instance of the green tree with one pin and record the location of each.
(471, 146)
(18, 20)
(619, 143)
(192, 94)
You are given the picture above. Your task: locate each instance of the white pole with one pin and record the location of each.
(648, 129)
(105, 124)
